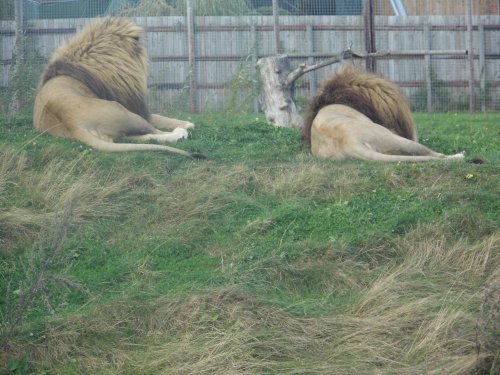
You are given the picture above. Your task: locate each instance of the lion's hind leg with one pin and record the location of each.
(378, 143)
(382, 140)
(368, 154)
(398, 149)
(162, 122)
(110, 120)
(161, 137)
(86, 132)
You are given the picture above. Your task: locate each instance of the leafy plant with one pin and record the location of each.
(16, 366)
(24, 74)
(148, 8)
(244, 87)
(178, 8)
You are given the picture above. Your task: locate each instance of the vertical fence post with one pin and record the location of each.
(428, 66)
(310, 60)
(276, 26)
(191, 56)
(369, 17)
(470, 47)
(482, 66)
(255, 57)
(15, 101)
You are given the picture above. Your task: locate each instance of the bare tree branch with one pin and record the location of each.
(303, 68)
(350, 54)
(441, 52)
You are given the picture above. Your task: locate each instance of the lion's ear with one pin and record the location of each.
(136, 38)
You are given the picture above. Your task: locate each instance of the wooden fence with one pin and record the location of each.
(225, 50)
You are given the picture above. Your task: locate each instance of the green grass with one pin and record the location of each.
(260, 259)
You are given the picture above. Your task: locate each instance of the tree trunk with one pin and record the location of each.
(278, 85)
(278, 102)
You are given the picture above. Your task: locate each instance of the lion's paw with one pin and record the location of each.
(188, 125)
(459, 156)
(180, 133)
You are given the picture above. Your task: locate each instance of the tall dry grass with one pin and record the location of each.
(30, 198)
(419, 302)
(41, 211)
(420, 315)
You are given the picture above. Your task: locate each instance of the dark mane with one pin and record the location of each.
(378, 99)
(133, 102)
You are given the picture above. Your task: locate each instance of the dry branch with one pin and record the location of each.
(303, 68)
(349, 54)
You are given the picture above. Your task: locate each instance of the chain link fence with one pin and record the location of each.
(445, 54)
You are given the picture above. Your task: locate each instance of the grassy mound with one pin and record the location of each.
(260, 259)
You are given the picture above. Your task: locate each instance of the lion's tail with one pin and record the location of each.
(377, 98)
(101, 145)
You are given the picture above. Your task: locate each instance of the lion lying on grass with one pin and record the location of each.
(358, 115)
(94, 90)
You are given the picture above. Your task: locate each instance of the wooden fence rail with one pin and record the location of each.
(214, 68)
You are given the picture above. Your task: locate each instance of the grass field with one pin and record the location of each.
(258, 260)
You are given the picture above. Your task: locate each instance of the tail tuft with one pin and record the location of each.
(197, 155)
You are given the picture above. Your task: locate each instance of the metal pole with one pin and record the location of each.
(19, 20)
(472, 106)
(276, 24)
(428, 66)
(255, 58)
(370, 35)
(19, 16)
(482, 66)
(15, 102)
(191, 56)
(313, 87)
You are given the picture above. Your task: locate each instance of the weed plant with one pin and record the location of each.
(259, 260)
(178, 8)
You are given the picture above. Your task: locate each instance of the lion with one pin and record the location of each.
(360, 115)
(94, 90)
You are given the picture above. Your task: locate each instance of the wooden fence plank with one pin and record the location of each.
(225, 46)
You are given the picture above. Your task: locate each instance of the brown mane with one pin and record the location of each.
(121, 71)
(377, 98)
